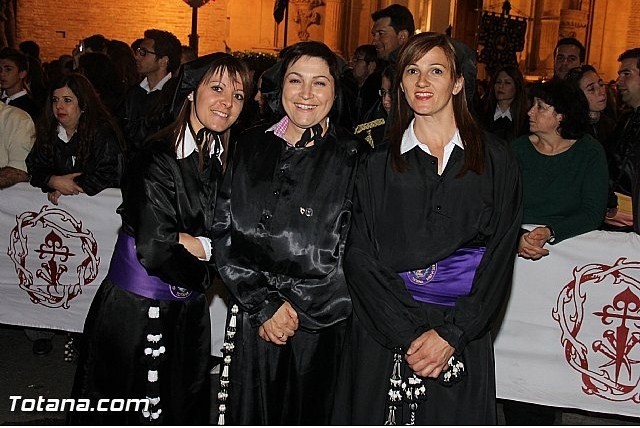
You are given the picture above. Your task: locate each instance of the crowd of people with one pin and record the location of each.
(364, 215)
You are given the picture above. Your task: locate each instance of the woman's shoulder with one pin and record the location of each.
(588, 145)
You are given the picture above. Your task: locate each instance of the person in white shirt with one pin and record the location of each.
(16, 139)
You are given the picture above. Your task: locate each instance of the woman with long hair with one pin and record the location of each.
(147, 333)
(505, 109)
(601, 124)
(430, 255)
(78, 148)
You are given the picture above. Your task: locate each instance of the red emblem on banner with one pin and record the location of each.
(53, 255)
(607, 363)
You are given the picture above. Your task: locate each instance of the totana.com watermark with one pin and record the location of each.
(41, 404)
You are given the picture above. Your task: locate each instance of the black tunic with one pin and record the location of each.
(408, 221)
(101, 169)
(281, 223)
(163, 196)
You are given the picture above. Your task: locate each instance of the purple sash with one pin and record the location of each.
(127, 273)
(443, 282)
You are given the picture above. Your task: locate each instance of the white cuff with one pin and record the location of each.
(206, 245)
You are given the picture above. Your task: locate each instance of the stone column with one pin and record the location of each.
(573, 23)
(334, 25)
(546, 29)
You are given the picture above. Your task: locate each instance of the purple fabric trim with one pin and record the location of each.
(127, 273)
(443, 282)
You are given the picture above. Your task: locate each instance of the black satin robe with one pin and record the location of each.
(100, 170)
(163, 196)
(407, 221)
(281, 224)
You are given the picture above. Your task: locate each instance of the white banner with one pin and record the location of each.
(571, 332)
(570, 336)
(53, 257)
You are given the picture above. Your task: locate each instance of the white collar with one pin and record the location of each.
(14, 96)
(188, 145)
(499, 113)
(145, 84)
(62, 134)
(409, 140)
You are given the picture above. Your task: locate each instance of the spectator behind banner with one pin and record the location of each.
(624, 149)
(564, 169)
(16, 140)
(587, 78)
(564, 186)
(505, 107)
(568, 53)
(78, 147)
(14, 73)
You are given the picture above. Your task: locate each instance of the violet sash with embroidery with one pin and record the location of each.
(443, 282)
(127, 273)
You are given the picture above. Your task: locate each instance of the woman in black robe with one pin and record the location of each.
(147, 333)
(281, 224)
(430, 255)
(78, 148)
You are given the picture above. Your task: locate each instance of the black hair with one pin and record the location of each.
(313, 49)
(97, 43)
(567, 99)
(631, 54)
(574, 42)
(368, 52)
(17, 57)
(93, 113)
(166, 44)
(401, 18)
(31, 48)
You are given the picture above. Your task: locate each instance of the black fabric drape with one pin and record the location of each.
(407, 221)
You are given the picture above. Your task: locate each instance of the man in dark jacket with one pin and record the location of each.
(146, 108)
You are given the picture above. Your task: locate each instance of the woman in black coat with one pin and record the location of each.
(78, 147)
(147, 332)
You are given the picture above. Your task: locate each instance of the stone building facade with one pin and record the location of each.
(606, 27)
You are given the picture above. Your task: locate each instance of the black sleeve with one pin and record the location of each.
(103, 166)
(151, 204)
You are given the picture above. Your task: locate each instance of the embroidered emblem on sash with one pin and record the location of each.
(423, 276)
(180, 293)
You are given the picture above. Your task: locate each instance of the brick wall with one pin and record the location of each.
(57, 26)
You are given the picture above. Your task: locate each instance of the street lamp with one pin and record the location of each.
(193, 37)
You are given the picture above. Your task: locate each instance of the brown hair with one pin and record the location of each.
(470, 132)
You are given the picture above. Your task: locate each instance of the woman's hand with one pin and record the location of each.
(192, 245)
(531, 243)
(429, 354)
(281, 326)
(65, 184)
(53, 197)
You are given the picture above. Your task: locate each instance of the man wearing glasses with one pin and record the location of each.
(146, 108)
(367, 76)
